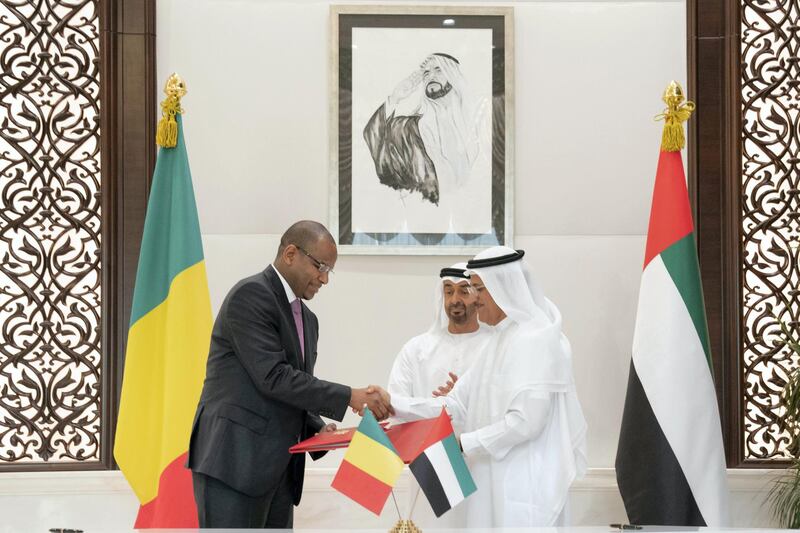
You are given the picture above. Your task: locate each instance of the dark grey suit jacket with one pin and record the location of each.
(259, 396)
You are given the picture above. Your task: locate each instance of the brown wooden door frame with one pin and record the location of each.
(128, 153)
(715, 185)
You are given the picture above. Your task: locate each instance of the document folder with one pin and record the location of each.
(407, 438)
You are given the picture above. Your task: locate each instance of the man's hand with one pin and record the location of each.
(328, 428)
(405, 88)
(445, 389)
(373, 398)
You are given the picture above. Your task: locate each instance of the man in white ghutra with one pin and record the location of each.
(522, 429)
(449, 347)
(424, 136)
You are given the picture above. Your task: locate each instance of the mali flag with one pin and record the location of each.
(167, 349)
(670, 462)
(370, 467)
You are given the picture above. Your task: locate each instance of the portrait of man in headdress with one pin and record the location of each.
(424, 135)
(421, 131)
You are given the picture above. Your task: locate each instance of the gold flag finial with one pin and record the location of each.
(167, 132)
(676, 113)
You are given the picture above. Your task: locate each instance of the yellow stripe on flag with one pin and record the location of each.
(374, 458)
(164, 372)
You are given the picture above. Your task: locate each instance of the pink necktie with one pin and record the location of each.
(297, 311)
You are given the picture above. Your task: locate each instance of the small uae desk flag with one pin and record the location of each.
(440, 468)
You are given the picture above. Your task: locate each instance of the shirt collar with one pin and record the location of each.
(289, 292)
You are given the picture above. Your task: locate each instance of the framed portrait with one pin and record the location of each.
(422, 129)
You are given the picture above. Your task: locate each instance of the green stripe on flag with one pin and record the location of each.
(171, 240)
(680, 260)
(370, 427)
(459, 466)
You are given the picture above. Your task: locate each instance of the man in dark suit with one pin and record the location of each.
(260, 395)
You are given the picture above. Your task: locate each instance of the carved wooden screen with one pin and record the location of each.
(50, 232)
(770, 91)
(744, 158)
(69, 224)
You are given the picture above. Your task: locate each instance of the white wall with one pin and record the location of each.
(589, 76)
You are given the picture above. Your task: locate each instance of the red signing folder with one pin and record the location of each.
(407, 438)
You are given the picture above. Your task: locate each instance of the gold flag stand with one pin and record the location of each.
(408, 525)
(405, 526)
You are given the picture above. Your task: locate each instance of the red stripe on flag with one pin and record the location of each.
(173, 506)
(441, 429)
(361, 487)
(670, 215)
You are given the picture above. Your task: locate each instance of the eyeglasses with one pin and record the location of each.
(322, 267)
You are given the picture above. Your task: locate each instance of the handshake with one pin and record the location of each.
(373, 398)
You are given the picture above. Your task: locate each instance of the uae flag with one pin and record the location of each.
(440, 469)
(670, 463)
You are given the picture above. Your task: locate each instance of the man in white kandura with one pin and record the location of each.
(522, 428)
(449, 347)
(442, 354)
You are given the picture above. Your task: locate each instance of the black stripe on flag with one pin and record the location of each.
(650, 479)
(426, 476)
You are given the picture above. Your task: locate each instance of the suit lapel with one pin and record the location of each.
(286, 311)
(307, 338)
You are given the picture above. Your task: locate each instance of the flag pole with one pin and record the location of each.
(404, 526)
(414, 503)
(396, 506)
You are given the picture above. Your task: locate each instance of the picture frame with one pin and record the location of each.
(421, 129)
